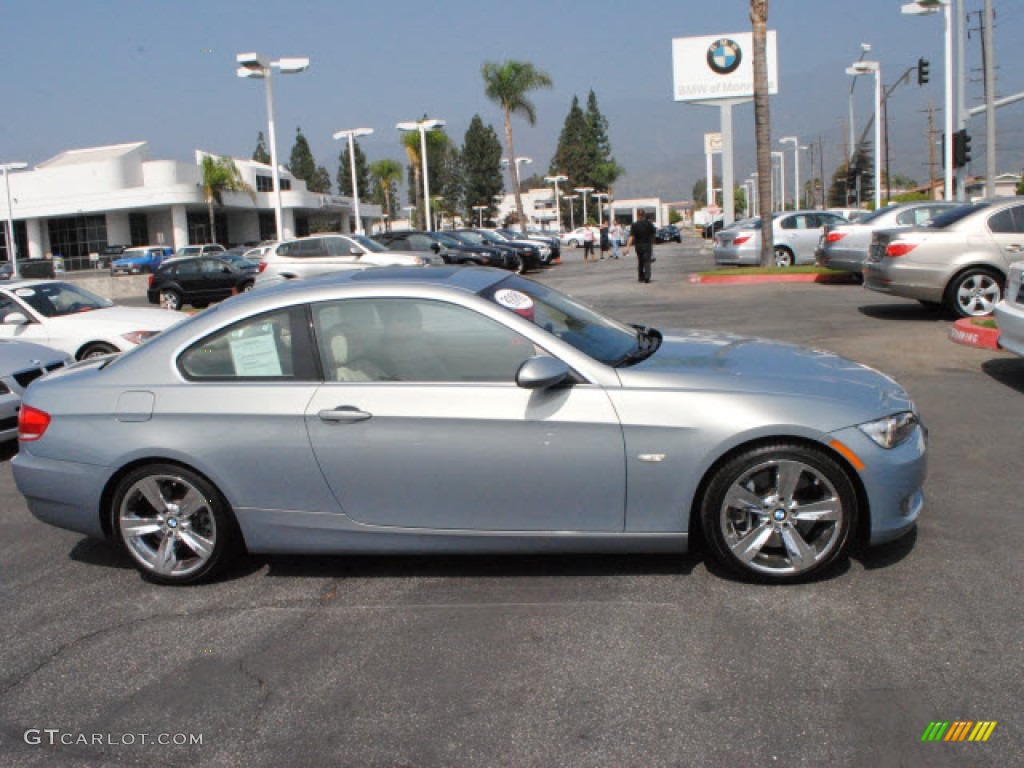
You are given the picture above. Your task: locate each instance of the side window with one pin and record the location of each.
(909, 218)
(337, 246)
(789, 222)
(272, 346)
(211, 266)
(188, 268)
(1009, 221)
(420, 242)
(7, 306)
(412, 340)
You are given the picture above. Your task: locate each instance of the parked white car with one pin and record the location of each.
(1009, 312)
(76, 321)
(319, 254)
(795, 233)
(574, 239)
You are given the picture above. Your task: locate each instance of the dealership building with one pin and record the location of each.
(81, 201)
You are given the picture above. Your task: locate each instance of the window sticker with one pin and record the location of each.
(517, 301)
(255, 356)
(24, 292)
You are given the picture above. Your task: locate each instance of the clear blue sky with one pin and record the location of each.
(82, 74)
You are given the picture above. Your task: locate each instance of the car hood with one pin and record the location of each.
(123, 319)
(17, 355)
(719, 362)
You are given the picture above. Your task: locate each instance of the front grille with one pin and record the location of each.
(54, 366)
(24, 378)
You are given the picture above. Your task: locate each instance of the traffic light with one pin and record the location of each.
(923, 67)
(961, 148)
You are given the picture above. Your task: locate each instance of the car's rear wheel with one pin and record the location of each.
(170, 299)
(96, 349)
(974, 292)
(174, 524)
(779, 513)
(521, 266)
(783, 256)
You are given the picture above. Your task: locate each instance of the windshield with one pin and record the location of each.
(600, 337)
(368, 244)
(448, 239)
(59, 299)
(472, 237)
(944, 220)
(135, 253)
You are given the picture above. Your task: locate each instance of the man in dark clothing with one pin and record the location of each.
(642, 235)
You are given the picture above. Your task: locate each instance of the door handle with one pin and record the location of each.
(345, 414)
(1015, 248)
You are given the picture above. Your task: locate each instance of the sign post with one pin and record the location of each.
(718, 71)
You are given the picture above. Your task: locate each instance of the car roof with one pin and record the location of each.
(471, 279)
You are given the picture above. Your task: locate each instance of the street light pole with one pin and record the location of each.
(12, 243)
(796, 168)
(423, 126)
(864, 49)
(258, 67)
(600, 196)
(480, 214)
(918, 8)
(558, 200)
(351, 134)
(781, 196)
(584, 192)
(572, 212)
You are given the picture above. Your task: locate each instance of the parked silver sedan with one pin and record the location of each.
(796, 235)
(959, 261)
(1010, 312)
(466, 410)
(845, 246)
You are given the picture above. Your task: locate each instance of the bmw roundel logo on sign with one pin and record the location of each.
(724, 56)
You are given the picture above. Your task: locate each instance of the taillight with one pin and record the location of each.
(151, 280)
(32, 423)
(899, 249)
(834, 237)
(263, 265)
(741, 239)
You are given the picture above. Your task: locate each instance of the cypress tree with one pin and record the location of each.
(345, 171)
(481, 163)
(261, 155)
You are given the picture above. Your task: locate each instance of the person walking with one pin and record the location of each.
(604, 241)
(588, 243)
(642, 236)
(615, 237)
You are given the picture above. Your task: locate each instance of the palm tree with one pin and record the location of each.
(220, 175)
(508, 84)
(386, 172)
(762, 125)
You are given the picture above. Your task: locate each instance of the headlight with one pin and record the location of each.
(892, 430)
(137, 337)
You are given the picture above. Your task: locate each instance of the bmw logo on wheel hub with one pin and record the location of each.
(724, 56)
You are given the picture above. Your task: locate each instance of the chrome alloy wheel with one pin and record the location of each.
(782, 517)
(167, 525)
(977, 294)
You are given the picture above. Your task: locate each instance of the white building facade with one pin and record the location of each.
(540, 210)
(83, 200)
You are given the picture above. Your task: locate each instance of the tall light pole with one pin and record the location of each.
(584, 193)
(860, 68)
(918, 8)
(12, 243)
(865, 48)
(408, 216)
(259, 67)
(480, 214)
(796, 168)
(351, 135)
(427, 124)
(558, 200)
(514, 177)
(757, 201)
(572, 212)
(781, 196)
(600, 197)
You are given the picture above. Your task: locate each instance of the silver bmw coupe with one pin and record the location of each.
(466, 410)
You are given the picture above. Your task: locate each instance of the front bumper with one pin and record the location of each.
(893, 481)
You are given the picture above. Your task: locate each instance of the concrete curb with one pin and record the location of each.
(693, 277)
(965, 332)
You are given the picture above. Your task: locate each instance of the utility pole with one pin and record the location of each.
(988, 56)
(885, 124)
(821, 167)
(931, 150)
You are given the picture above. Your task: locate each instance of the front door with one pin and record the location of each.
(420, 425)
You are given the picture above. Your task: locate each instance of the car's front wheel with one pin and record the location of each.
(96, 349)
(170, 299)
(779, 513)
(974, 293)
(174, 523)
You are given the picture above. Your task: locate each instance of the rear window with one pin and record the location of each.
(944, 220)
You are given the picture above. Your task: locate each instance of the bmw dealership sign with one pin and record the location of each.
(719, 67)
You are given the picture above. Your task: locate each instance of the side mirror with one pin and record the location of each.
(542, 373)
(15, 318)
(435, 247)
(355, 252)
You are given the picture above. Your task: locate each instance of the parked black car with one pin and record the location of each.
(553, 243)
(529, 255)
(669, 234)
(195, 280)
(449, 248)
(29, 268)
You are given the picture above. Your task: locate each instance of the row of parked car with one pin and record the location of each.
(963, 258)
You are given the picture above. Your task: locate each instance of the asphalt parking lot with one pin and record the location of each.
(562, 661)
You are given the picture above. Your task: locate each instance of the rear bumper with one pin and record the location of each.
(62, 493)
(908, 282)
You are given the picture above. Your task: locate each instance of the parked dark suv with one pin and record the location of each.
(195, 280)
(451, 249)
